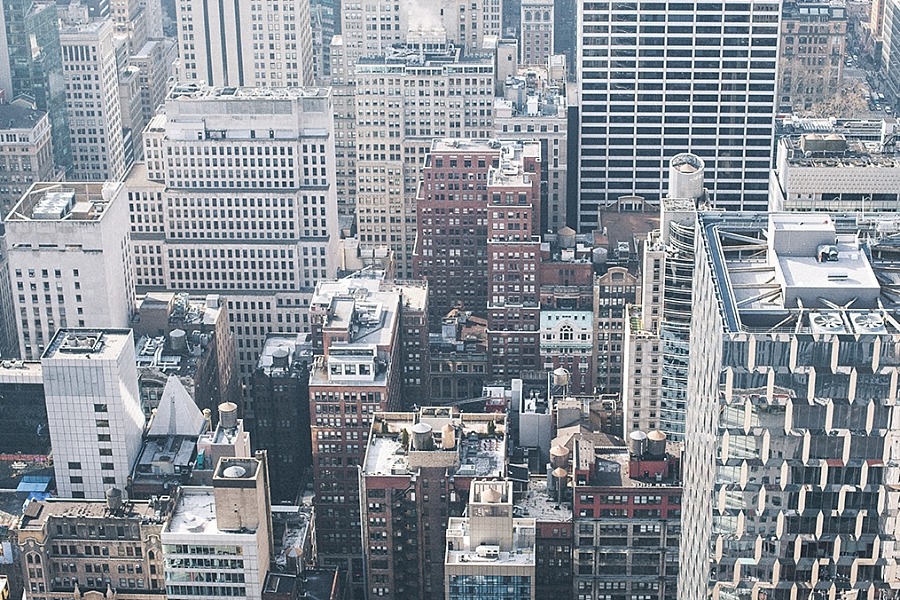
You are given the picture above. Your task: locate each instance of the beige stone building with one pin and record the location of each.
(74, 547)
(813, 42)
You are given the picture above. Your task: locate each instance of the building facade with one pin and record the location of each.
(26, 155)
(94, 410)
(260, 185)
(536, 23)
(790, 382)
(69, 261)
(813, 46)
(241, 44)
(643, 102)
(95, 115)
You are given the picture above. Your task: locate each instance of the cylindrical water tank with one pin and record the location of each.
(178, 340)
(228, 415)
(448, 437)
(600, 256)
(559, 457)
(114, 499)
(560, 478)
(280, 358)
(656, 443)
(686, 176)
(421, 436)
(491, 496)
(560, 377)
(565, 237)
(638, 442)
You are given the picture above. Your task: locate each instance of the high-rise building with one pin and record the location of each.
(373, 29)
(658, 328)
(514, 256)
(536, 107)
(695, 78)
(26, 152)
(417, 471)
(360, 344)
(490, 553)
(116, 547)
(154, 61)
(343, 92)
(245, 44)
(614, 292)
(451, 241)
(218, 542)
(94, 409)
(390, 152)
(33, 57)
(792, 408)
(277, 411)
(88, 51)
(536, 24)
(264, 194)
(813, 45)
(69, 261)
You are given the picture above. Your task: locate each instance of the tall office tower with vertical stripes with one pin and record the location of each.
(255, 44)
(660, 78)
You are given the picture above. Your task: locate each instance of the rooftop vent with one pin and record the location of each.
(827, 322)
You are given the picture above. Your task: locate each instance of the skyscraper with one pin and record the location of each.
(252, 44)
(660, 78)
(790, 442)
(250, 169)
(35, 66)
(69, 261)
(89, 66)
(94, 410)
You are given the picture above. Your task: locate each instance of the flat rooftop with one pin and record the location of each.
(282, 352)
(38, 512)
(474, 452)
(199, 91)
(194, 513)
(21, 371)
(64, 202)
(521, 553)
(540, 504)
(87, 344)
(805, 272)
(16, 116)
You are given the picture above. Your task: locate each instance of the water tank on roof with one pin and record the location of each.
(559, 457)
(178, 340)
(686, 176)
(566, 237)
(448, 437)
(637, 440)
(656, 443)
(421, 436)
(228, 415)
(560, 377)
(280, 358)
(114, 499)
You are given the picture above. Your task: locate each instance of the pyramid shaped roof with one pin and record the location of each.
(177, 413)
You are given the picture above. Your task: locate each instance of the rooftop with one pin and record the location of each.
(538, 503)
(815, 273)
(64, 202)
(194, 512)
(460, 550)
(87, 344)
(18, 116)
(20, 371)
(283, 354)
(199, 91)
(469, 449)
(38, 512)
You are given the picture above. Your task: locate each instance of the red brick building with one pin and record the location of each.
(451, 241)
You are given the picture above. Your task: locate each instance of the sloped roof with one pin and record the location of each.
(177, 413)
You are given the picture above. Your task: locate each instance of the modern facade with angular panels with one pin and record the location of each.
(791, 428)
(659, 78)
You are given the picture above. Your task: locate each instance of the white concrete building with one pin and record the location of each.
(695, 78)
(69, 261)
(93, 409)
(92, 100)
(265, 44)
(237, 198)
(225, 530)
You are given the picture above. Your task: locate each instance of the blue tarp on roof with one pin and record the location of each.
(34, 483)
